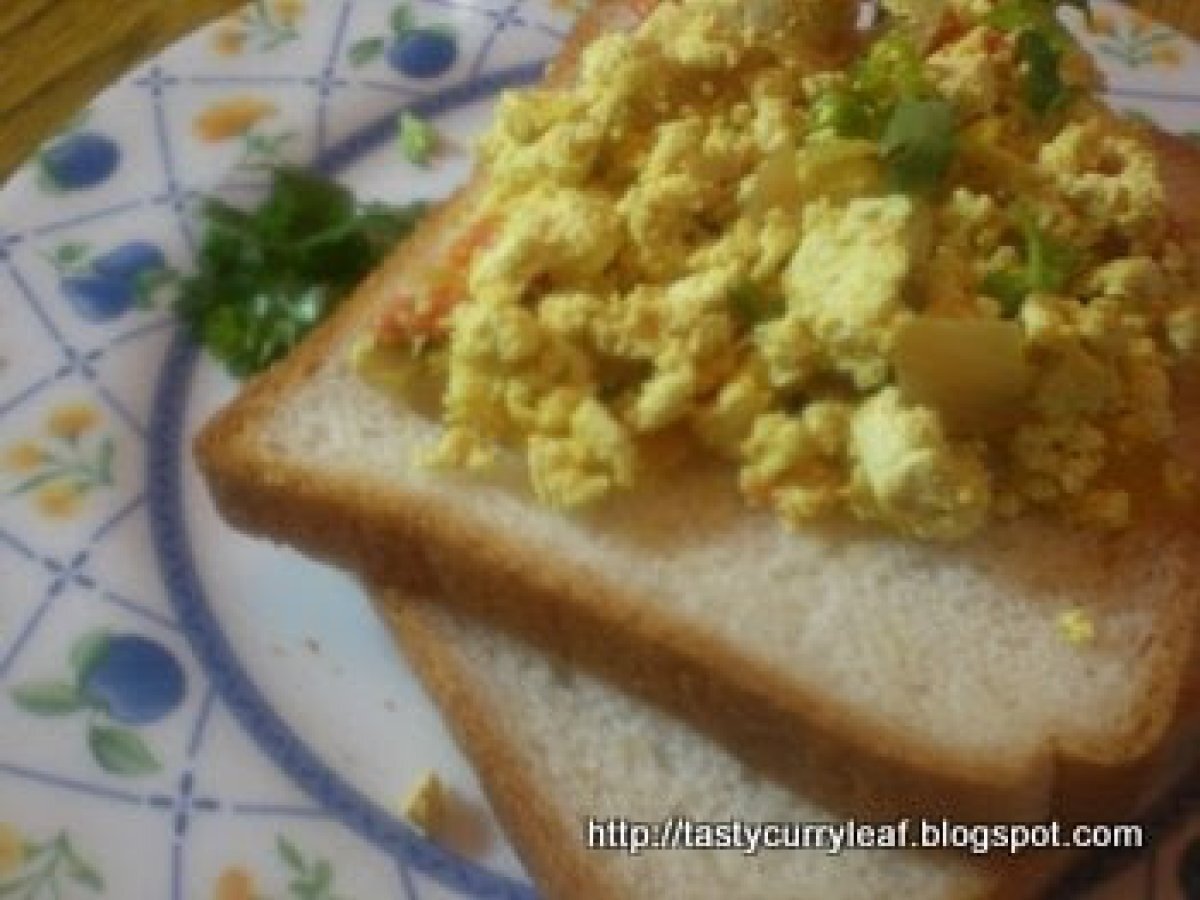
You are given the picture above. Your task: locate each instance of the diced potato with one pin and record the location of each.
(971, 371)
(836, 169)
(839, 170)
(776, 184)
(388, 368)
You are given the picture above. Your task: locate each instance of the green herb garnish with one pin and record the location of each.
(888, 99)
(265, 278)
(1041, 43)
(1039, 15)
(918, 144)
(890, 71)
(751, 305)
(1048, 266)
(418, 139)
(1045, 89)
(845, 112)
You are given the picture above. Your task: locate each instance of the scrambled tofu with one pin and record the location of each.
(922, 279)
(425, 803)
(846, 279)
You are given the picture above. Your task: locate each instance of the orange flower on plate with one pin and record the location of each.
(58, 499)
(71, 421)
(229, 40)
(235, 883)
(24, 457)
(289, 11)
(232, 118)
(12, 850)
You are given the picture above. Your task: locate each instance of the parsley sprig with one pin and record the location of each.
(1047, 267)
(265, 278)
(1041, 43)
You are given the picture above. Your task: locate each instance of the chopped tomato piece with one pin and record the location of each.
(406, 318)
(643, 7)
(950, 29)
(410, 316)
(476, 236)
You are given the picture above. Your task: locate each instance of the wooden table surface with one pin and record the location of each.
(55, 55)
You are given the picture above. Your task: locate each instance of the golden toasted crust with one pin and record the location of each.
(558, 862)
(389, 536)
(553, 853)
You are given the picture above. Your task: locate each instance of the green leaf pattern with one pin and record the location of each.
(48, 867)
(116, 749)
(121, 751)
(1136, 45)
(310, 879)
(69, 457)
(264, 29)
(48, 698)
(86, 652)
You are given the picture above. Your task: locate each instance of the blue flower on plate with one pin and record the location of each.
(78, 161)
(124, 679)
(413, 50)
(102, 288)
(135, 680)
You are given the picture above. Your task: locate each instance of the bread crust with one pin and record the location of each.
(555, 855)
(557, 860)
(394, 537)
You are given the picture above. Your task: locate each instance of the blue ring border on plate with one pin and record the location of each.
(172, 549)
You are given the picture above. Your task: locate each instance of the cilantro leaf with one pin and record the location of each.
(1045, 89)
(918, 144)
(845, 112)
(1042, 41)
(890, 71)
(1010, 288)
(887, 98)
(1051, 263)
(267, 277)
(1048, 267)
(750, 305)
(1037, 15)
(418, 139)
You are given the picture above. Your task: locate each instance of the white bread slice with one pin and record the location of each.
(554, 746)
(941, 669)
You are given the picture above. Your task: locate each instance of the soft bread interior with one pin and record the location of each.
(957, 650)
(556, 746)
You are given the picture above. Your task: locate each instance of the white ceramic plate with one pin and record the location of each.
(185, 712)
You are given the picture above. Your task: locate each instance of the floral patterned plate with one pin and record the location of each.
(186, 713)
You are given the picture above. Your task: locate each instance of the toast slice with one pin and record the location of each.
(555, 747)
(941, 670)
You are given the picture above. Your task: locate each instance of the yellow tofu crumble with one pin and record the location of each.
(1076, 627)
(424, 804)
(921, 278)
